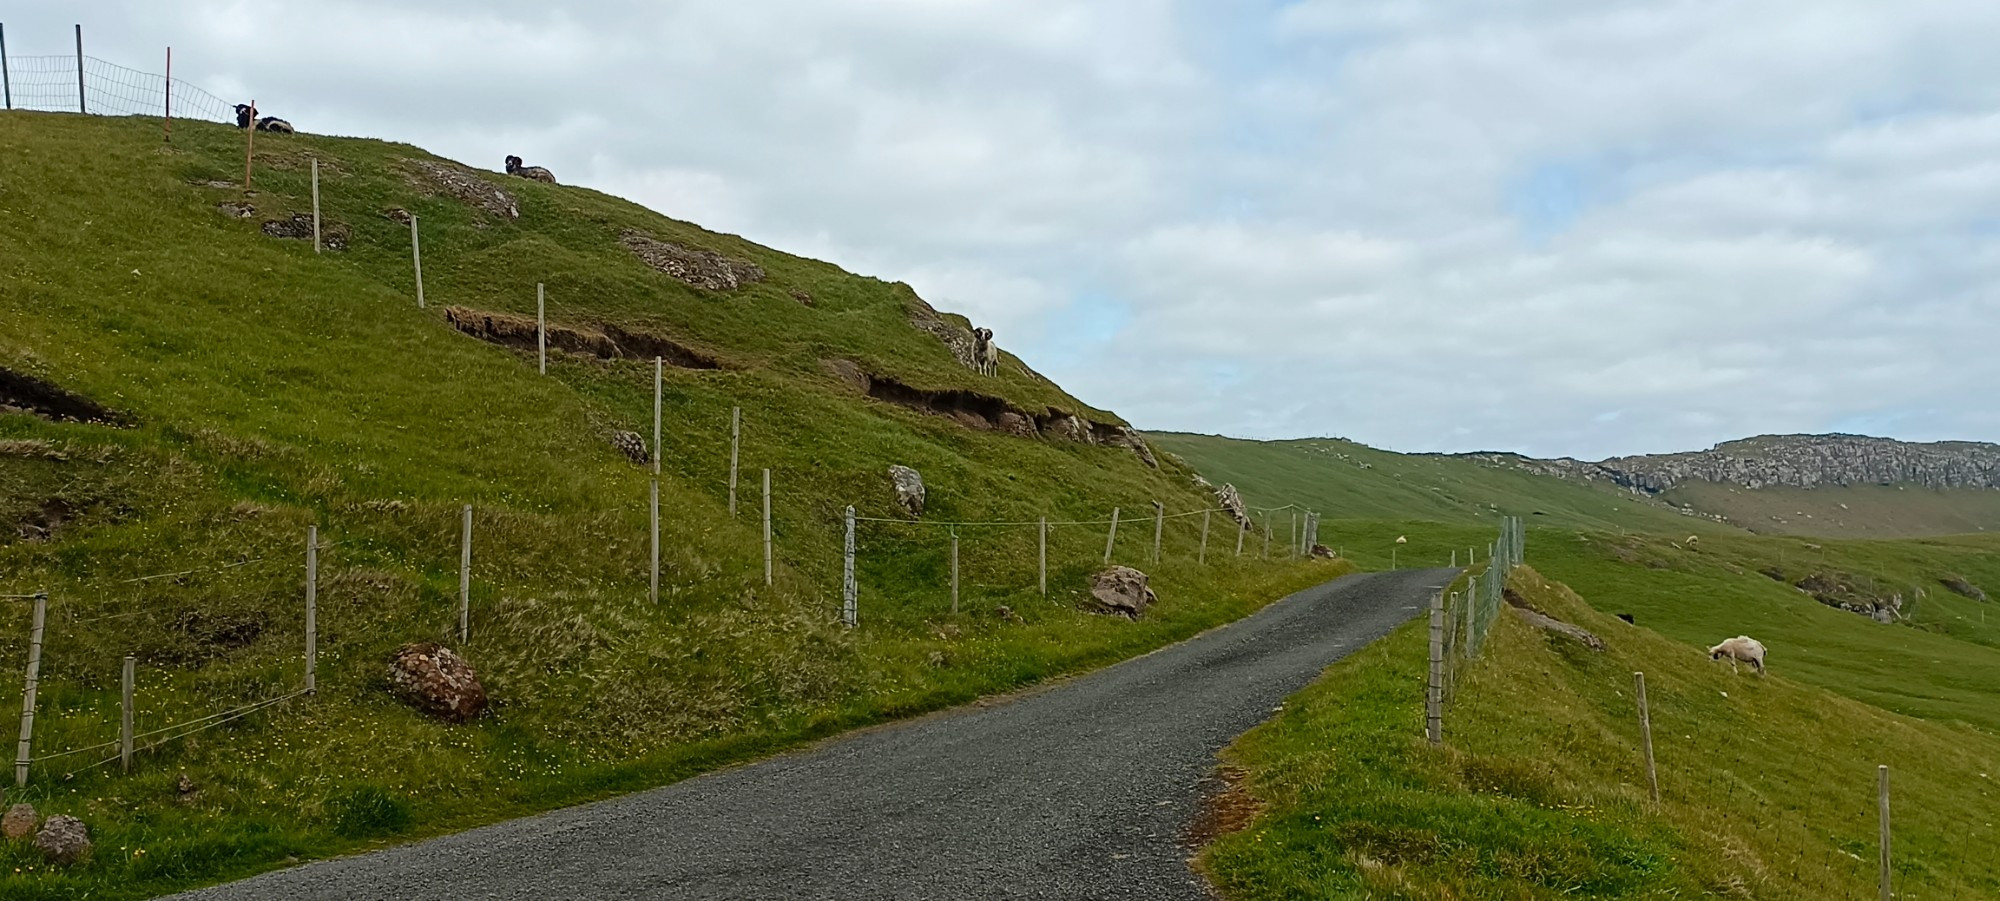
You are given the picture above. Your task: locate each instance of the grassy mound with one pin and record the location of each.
(251, 388)
(1768, 784)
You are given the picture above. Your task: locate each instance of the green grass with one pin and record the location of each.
(271, 388)
(1848, 511)
(1768, 784)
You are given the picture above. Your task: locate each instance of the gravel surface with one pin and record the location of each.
(1084, 790)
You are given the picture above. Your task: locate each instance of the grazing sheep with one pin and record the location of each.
(1741, 648)
(245, 114)
(1627, 617)
(1693, 540)
(985, 354)
(537, 173)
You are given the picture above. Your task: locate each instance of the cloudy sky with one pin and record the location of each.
(1581, 227)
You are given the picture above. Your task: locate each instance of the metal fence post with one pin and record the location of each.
(79, 72)
(21, 753)
(653, 531)
(312, 609)
(849, 590)
(315, 168)
(767, 527)
(126, 678)
(542, 331)
(6, 79)
(1042, 557)
(1111, 538)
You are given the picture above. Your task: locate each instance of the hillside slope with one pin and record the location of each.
(188, 386)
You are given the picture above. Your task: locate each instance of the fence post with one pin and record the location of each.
(1159, 528)
(1241, 530)
(416, 257)
(315, 167)
(1882, 805)
(1294, 540)
(954, 572)
(1111, 538)
(542, 330)
(465, 578)
(735, 447)
(1043, 557)
(658, 451)
(1434, 688)
(28, 692)
(653, 530)
(767, 527)
(125, 713)
(1454, 558)
(169, 121)
(6, 79)
(1646, 734)
(848, 589)
(1267, 534)
(1201, 556)
(249, 140)
(312, 609)
(1471, 620)
(80, 107)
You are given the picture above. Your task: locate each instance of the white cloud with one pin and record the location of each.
(1560, 226)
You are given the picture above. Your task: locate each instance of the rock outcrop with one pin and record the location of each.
(63, 840)
(434, 679)
(909, 485)
(1121, 590)
(697, 266)
(1792, 461)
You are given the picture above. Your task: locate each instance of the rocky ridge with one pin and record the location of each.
(1795, 461)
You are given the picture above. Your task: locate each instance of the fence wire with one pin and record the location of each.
(1471, 612)
(49, 84)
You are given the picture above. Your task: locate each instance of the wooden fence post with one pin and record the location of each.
(1159, 528)
(767, 527)
(658, 451)
(80, 106)
(312, 609)
(1434, 687)
(541, 328)
(465, 578)
(249, 133)
(1111, 538)
(21, 753)
(849, 590)
(1882, 806)
(1267, 534)
(417, 259)
(126, 678)
(316, 241)
(1646, 734)
(653, 515)
(954, 572)
(1042, 557)
(1294, 541)
(735, 448)
(1241, 530)
(1201, 556)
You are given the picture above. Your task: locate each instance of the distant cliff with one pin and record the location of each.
(1798, 461)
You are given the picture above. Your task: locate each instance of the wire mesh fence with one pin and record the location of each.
(1466, 609)
(90, 85)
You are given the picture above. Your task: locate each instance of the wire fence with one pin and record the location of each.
(60, 84)
(1464, 612)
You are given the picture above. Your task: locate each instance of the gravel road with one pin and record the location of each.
(1084, 790)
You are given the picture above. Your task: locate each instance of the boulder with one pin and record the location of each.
(1322, 552)
(63, 840)
(1232, 501)
(1121, 590)
(1015, 424)
(1548, 623)
(909, 486)
(632, 446)
(19, 822)
(434, 679)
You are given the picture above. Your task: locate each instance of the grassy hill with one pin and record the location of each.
(1767, 784)
(206, 390)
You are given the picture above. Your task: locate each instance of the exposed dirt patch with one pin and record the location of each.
(463, 185)
(332, 235)
(696, 266)
(610, 343)
(1854, 594)
(1227, 807)
(42, 524)
(215, 632)
(988, 413)
(27, 394)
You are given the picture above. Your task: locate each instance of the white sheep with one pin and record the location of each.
(985, 354)
(1741, 648)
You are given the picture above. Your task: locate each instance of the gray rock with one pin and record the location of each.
(1795, 461)
(909, 485)
(1121, 590)
(64, 840)
(1232, 501)
(1551, 624)
(632, 446)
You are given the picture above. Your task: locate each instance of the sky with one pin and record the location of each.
(1558, 227)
